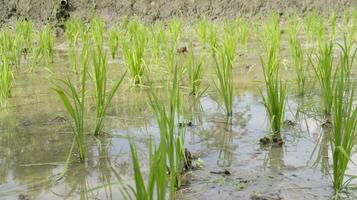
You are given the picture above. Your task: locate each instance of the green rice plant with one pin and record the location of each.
(315, 27)
(242, 31)
(100, 79)
(171, 135)
(73, 28)
(202, 31)
(133, 51)
(158, 40)
(97, 28)
(73, 99)
(296, 53)
(45, 46)
(6, 77)
(174, 31)
(347, 57)
(157, 178)
(238, 29)
(212, 37)
(24, 29)
(195, 72)
(224, 57)
(113, 40)
(344, 131)
(333, 24)
(7, 46)
(323, 68)
(275, 97)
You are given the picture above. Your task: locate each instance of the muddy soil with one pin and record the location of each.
(43, 11)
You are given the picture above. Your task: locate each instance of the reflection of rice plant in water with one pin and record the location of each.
(224, 56)
(296, 53)
(171, 136)
(133, 46)
(100, 79)
(73, 100)
(344, 131)
(275, 96)
(5, 80)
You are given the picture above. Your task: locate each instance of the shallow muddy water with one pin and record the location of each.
(35, 139)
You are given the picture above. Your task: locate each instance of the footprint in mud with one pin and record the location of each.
(58, 120)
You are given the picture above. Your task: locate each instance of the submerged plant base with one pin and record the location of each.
(327, 124)
(275, 141)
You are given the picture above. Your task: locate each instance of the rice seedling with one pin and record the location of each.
(347, 57)
(7, 46)
(238, 29)
(296, 53)
(323, 68)
(24, 29)
(171, 135)
(23, 39)
(333, 24)
(97, 28)
(174, 31)
(275, 97)
(73, 99)
(158, 41)
(195, 72)
(133, 51)
(100, 79)
(157, 178)
(113, 40)
(45, 46)
(202, 31)
(6, 78)
(224, 56)
(344, 131)
(314, 25)
(242, 30)
(73, 30)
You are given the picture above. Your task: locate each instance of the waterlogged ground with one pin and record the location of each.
(35, 140)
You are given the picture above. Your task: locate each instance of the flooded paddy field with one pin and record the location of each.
(39, 156)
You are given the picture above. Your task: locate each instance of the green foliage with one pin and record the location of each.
(275, 97)
(171, 136)
(100, 79)
(224, 56)
(323, 67)
(195, 72)
(133, 50)
(344, 129)
(6, 78)
(45, 46)
(73, 99)
(296, 53)
(202, 31)
(113, 40)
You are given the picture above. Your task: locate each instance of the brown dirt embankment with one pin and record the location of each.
(43, 11)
